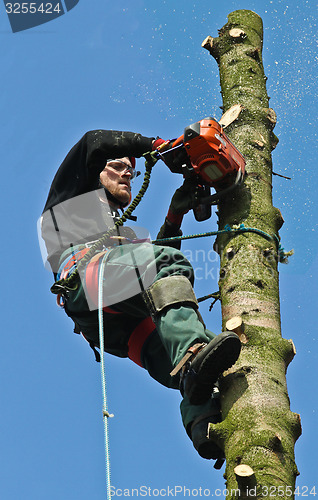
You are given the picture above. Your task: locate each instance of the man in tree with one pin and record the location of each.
(150, 311)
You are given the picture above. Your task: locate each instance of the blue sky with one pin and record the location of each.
(135, 65)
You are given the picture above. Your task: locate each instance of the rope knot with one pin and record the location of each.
(283, 256)
(107, 414)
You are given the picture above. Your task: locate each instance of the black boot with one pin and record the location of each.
(198, 432)
(207, 363)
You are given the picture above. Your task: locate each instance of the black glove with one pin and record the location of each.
(185, 198)
(169, 230)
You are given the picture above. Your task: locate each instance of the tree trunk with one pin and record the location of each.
(259, 431)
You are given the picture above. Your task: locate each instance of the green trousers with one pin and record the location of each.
(129, 269)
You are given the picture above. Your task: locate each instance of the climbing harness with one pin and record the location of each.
(106, 414)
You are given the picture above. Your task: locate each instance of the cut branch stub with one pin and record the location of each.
(211, 45)
(237, 34)
(271, 116)
(290, 351)
(254, 54)
(236, 325)
(276, 442)
(207, 43)
(259, 145)
(245, 478)
(231, 115)
(293, 347)
(274, 141)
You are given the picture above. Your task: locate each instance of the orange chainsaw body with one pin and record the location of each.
(212, 155)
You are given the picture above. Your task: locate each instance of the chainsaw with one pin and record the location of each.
(205, 154)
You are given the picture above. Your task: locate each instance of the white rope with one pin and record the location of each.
(106, 415)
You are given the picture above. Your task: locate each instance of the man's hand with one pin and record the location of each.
(161, 145)
(185, 198)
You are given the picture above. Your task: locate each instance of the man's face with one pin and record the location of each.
(116, 179)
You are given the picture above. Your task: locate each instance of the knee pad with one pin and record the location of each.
(170, 291)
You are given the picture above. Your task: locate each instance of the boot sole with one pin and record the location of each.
(210, 363)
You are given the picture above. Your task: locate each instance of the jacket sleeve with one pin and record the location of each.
(110, 144)
(79, 172)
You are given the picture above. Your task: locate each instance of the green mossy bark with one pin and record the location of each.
(258, 429)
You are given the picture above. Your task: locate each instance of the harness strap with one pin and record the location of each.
(91, 276)
(93, 347)
(66, 268)
(91, 280)
(137, 339)
(190, 354)
(71, 262)
(77, 329)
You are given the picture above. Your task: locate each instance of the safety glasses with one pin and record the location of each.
(121, 167)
